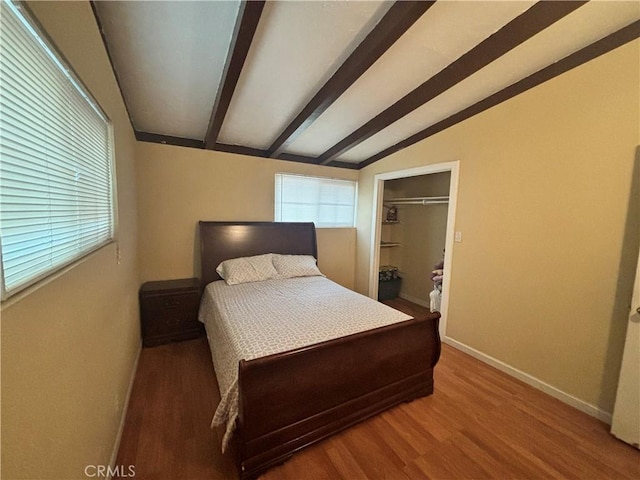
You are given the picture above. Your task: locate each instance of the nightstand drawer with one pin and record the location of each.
(170, 305)
(166, 323)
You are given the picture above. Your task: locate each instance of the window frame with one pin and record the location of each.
(317, 177)
(30, 23)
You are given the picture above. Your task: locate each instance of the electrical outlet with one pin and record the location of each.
(458, 237)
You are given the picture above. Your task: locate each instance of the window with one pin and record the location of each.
(56, 193)
(328, 202)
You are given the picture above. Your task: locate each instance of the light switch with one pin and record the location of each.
(458, 237)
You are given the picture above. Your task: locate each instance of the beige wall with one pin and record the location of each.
(68, 348)
(544, 194)
(179, 186)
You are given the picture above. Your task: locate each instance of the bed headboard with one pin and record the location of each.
(221, 241)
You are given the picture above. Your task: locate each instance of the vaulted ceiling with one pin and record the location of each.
(342, 83)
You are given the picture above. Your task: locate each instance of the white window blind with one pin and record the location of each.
(327, 202)
(56, 195)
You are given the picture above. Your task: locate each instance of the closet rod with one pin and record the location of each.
(417, 201)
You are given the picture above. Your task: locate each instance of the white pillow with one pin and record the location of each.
(289, 266)
(247, 269)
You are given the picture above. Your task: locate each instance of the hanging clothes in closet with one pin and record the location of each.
(437, 276)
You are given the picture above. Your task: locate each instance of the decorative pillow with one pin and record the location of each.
(289, 266)
(247, 269)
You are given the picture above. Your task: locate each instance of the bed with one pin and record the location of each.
(287, 400)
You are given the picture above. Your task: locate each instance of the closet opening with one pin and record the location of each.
(413, 236)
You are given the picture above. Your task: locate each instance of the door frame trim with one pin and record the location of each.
(376, 227)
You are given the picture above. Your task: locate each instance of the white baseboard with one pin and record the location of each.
(123, 417)
(417, 301)
(533, 381)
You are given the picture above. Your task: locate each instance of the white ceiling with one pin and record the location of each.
(422, 52)
(170, 60)
(169, 57)
(582, 27)
(296, 49)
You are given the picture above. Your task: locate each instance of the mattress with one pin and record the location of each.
(253, 320)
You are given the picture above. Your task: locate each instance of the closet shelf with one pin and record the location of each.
(417, 201)
(390, 222)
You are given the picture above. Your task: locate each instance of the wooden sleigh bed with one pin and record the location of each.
(290, 400)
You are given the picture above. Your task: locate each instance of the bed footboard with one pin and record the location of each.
(290, 400)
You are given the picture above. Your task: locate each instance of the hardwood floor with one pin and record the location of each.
(479, 423)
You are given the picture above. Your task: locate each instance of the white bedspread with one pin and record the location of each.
(253, 320)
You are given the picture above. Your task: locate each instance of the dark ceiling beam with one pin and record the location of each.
(168, 140)
(605, 45)
(534, 20)
(398, 19)
(349, 165)
(236, 149)
(256, 152)
(246, 24)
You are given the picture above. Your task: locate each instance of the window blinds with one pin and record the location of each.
(327, 202)
(56, 196)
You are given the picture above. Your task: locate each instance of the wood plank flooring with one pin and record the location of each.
(480, 423)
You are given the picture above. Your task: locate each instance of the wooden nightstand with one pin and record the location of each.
(169, 311)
